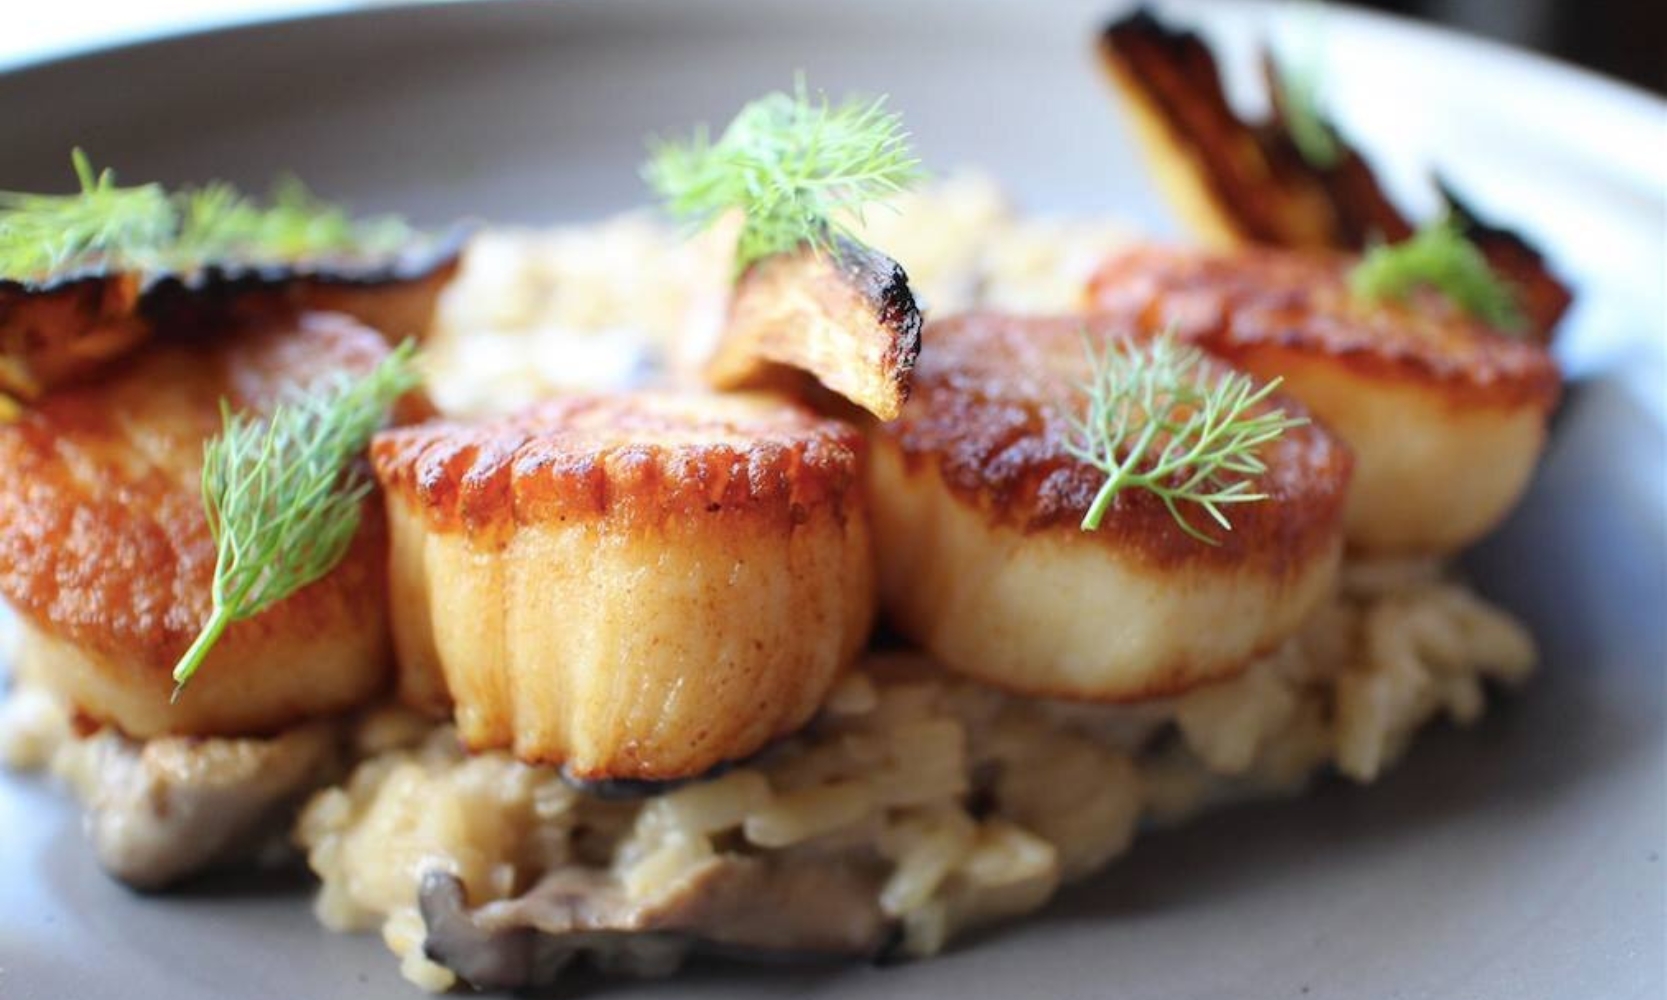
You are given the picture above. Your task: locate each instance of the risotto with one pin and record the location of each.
(920, 791)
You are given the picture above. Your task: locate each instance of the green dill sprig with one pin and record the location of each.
(1156, 419)
(146, 228)
(43, 233)
(791, 165)
(1438, 256)
(283, 496)
(219, 223)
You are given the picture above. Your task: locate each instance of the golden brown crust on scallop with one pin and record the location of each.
(1421, 392)
(104, 546)
(636, 587)
(993, 394)
(642, 458)
(1008, 644)
(1257, 300)
(978, 504)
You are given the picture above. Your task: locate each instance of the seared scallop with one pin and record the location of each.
(638, 587)
(1446, 416)
(978, 509)
(105, 549)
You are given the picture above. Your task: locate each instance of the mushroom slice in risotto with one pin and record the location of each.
(106, 552)
(739, 905)
(1446, 416)
(168, 808)
(639, 587)
(983, 560)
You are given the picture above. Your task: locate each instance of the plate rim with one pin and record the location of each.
(260, 18)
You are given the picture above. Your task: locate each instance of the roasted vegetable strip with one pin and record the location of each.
(1237, 182)
(846, 317)
(86, 277)
(791, 172)
(70, 329)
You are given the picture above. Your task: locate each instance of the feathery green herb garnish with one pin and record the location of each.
(1156, 419)
(791, 165)
(1438, 256)
(147, 228)
(1299, 103)
(43, 233)
(282, 496)
(217, 222)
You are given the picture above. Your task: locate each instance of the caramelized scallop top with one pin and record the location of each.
(993, 396)
(103, 539)
(1237, 303)
(637, 458)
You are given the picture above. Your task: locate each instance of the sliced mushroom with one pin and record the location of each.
(742, 906)
(67, 328)
(1238, 182)
(161, 810)
(844, 315)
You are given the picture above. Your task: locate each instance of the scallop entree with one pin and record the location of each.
(1016, 556)
(637, 587)
(828, 625)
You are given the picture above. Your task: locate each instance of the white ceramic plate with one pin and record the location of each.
(1519, 860)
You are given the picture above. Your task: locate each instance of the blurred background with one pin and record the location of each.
(1626, 39)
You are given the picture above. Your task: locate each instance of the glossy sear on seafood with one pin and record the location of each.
(106, 552)
(637, 587)
(1446, 416)
(978, 504)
